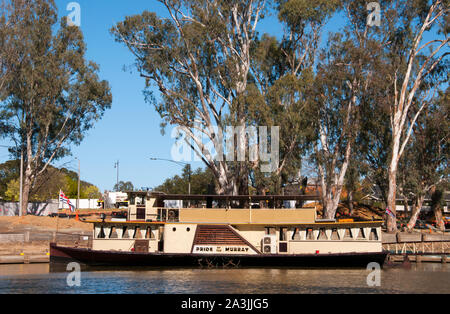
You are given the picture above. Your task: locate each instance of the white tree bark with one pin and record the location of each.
(403, 102)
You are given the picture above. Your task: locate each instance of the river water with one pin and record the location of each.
(37, 279)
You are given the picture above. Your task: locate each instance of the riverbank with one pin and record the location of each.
(27, 237)
(14, 224)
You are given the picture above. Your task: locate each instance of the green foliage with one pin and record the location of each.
(13, 190)
(296, 13)
(123, 186)
(47, 186)
(9, 170)
(202, 182)
(91, 192)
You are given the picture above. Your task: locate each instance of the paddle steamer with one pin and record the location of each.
(211, 233)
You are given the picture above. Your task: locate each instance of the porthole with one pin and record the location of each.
(188, 229)
(174, 229)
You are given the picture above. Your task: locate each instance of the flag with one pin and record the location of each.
(63, 198)
(390, 213)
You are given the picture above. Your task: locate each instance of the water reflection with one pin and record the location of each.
(36, 278)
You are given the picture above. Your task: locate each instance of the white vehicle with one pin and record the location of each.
(118, 199)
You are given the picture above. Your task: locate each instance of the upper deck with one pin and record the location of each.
(223, 209)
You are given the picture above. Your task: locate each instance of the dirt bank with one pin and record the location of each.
(37, 223)
(39, 227)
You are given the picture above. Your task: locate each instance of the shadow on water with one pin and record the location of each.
(62, 268)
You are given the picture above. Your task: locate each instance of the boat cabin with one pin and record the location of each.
(231, 225)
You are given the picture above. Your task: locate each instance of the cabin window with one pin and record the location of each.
(373, 234)
(322, 235)
(283, 234)
(188, 229)
(101, 234)
(162, 214)
(295, 235)
(137, 233)
(113, 233)
(172, 215)
(361, 234)
(174, 229)
(149, 234)
(334, 234)
(125, 233)
(139, 200)
(309, 234)
(348, 234)
(140, 213)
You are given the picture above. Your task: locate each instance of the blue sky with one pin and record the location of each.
(130, 130)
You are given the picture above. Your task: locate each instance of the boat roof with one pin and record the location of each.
(204, 197)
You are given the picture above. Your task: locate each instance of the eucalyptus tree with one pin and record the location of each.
(345, 73)
(425, 164)
(52, 95)
(415, 39)
(282, 76)
(213, 70)
(199, 60)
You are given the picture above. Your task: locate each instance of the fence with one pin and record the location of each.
(37, 209)
(45, 208)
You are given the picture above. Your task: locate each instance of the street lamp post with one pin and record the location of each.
(116, 165)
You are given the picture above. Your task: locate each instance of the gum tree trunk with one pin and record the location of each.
(436, 198)
(391, 221)
(417, 207)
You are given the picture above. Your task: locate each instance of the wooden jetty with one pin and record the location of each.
(417, 247)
